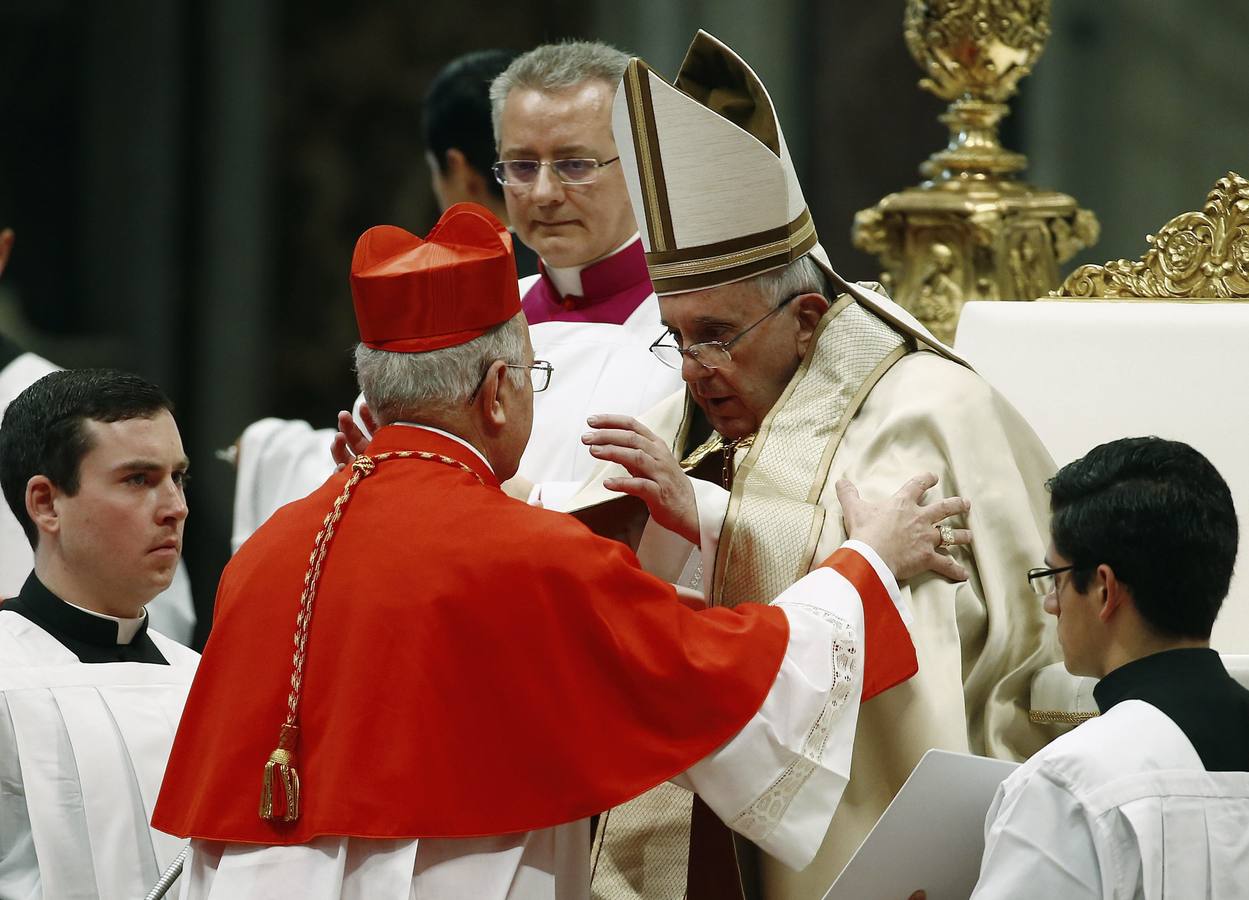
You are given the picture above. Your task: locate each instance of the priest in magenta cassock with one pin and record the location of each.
(474, 677)
(591, 309)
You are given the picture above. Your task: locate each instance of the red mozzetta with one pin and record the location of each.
(475, 666)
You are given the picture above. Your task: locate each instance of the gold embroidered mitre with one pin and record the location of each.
(714, 189)
(712, 183)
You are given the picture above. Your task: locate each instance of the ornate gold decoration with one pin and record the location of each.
(972, 232)
(280, 769)
(1201, 255)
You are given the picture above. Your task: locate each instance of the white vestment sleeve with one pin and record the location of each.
(279, 461)
(1037, 844)
(671, 557)
(778, 781)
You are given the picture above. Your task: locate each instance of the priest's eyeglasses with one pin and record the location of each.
(708, 354)
(1043, 580)
(524, 172)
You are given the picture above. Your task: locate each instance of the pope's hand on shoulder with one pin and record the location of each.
(906, 533)
(655, 476)
(350, 441)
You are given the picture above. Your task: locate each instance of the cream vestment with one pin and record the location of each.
(877, 399)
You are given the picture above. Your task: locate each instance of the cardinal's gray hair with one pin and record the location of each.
(408, 386)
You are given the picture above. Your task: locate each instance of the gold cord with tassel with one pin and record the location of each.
(280, 769)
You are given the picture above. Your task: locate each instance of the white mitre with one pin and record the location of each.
(708, 170)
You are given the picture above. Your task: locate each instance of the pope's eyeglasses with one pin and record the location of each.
(709, 354)
(524, 172)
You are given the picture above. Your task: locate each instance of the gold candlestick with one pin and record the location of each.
(972, 231)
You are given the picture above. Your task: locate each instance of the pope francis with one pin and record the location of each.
(796, 379)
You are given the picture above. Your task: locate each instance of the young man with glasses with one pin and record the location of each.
(796, 379)
(1151, 797)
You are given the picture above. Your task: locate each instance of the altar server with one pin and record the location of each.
(473, 676)
(796, 379)
(172, 610)
(1151, 798)
(92, 467)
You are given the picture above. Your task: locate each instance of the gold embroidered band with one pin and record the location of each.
(709, 265)
(1058, 717)
(649, 160)
(774, 519)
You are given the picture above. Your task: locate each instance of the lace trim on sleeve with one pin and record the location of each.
(761, 818)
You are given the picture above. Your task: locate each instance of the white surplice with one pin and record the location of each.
(82, 754)
(171, 610)
(599, 368)
(1120, 808)
(777, 781)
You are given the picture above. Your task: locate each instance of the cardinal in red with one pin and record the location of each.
(418, 686)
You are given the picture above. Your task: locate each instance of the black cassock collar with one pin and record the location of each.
(1192, 687)
(90, 638)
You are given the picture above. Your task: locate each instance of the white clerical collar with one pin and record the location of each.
(568, 280)
(454, 437)
(126, 628)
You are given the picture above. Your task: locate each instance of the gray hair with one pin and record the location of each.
(802, 276)
(405, 386)
(556, 67)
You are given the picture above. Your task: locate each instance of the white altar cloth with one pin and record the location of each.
(1086, 372)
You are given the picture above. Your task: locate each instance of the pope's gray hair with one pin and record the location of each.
(407, 386)
(802, 276)
(556, 67)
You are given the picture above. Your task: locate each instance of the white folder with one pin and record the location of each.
(931, 836)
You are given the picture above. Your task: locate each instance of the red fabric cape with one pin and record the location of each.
(475, 666)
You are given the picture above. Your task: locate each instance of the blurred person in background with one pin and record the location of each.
(459, 139)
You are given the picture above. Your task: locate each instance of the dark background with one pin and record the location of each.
(187, 177)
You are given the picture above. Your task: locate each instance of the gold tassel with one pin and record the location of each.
(282, 765)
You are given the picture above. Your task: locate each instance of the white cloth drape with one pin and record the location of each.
(599, 368)
(777, 781)
(1122, 809)
(82, 754)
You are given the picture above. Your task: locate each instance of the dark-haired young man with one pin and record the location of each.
(459, 139)
(19, 369)
(92, 466)
(1151, 798)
